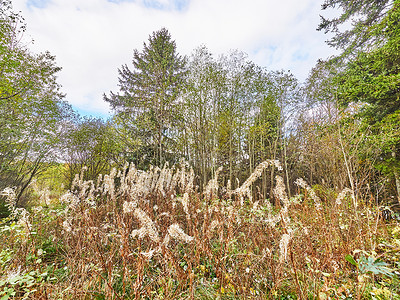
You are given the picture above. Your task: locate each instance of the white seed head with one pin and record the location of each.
(343, 194)
(148, 254)
(148, 227)
(280, 191)
(67, 226)
(11, 198)
(128, 207)
(283, 247)
(177, 233)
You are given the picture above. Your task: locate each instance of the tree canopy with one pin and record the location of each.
(370, 72)
(31, 105)
(148, 99)
(363, 15)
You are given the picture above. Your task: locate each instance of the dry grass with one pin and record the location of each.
(151, 235)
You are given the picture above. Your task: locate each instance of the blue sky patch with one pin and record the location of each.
(37, 3)
(181, 4)
(178, 5)
(120, 1)
(162, 5)
(300, 56)
(91, 113)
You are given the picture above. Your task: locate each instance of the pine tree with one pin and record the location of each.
(371, 71)
(148, 100)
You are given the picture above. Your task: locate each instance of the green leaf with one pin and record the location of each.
(374, 266)
(14, 280)
(351, 260)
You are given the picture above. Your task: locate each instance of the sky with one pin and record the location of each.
(92, 39)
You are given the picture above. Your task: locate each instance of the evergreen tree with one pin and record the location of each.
(371, 71)
(148, 100)
(363, 15)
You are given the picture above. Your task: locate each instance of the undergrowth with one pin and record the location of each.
(151, 235)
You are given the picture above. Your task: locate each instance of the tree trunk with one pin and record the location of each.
(397, 178)
(231, 159)
(286, 167)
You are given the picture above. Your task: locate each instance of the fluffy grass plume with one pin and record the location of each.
(151, 235)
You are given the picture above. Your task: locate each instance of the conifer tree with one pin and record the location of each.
(370, 71)
(148, 99)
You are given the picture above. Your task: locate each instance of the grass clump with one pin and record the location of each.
(151, 235)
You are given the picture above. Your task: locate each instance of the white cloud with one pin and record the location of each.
(93, 38)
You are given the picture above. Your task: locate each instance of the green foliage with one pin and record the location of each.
(370, 265)
(373, 76)
(4, 211)
(31, 106)
(22, 285)
(123, 241)
(366, 78)
(50, 183)
(363, 15)
(148, 104)
(90, 144)
(374, 266)
(231, 113)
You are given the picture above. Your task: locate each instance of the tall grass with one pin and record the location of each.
(151, 235)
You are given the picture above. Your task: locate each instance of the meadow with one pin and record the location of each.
(151, 234)
(229, 222)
